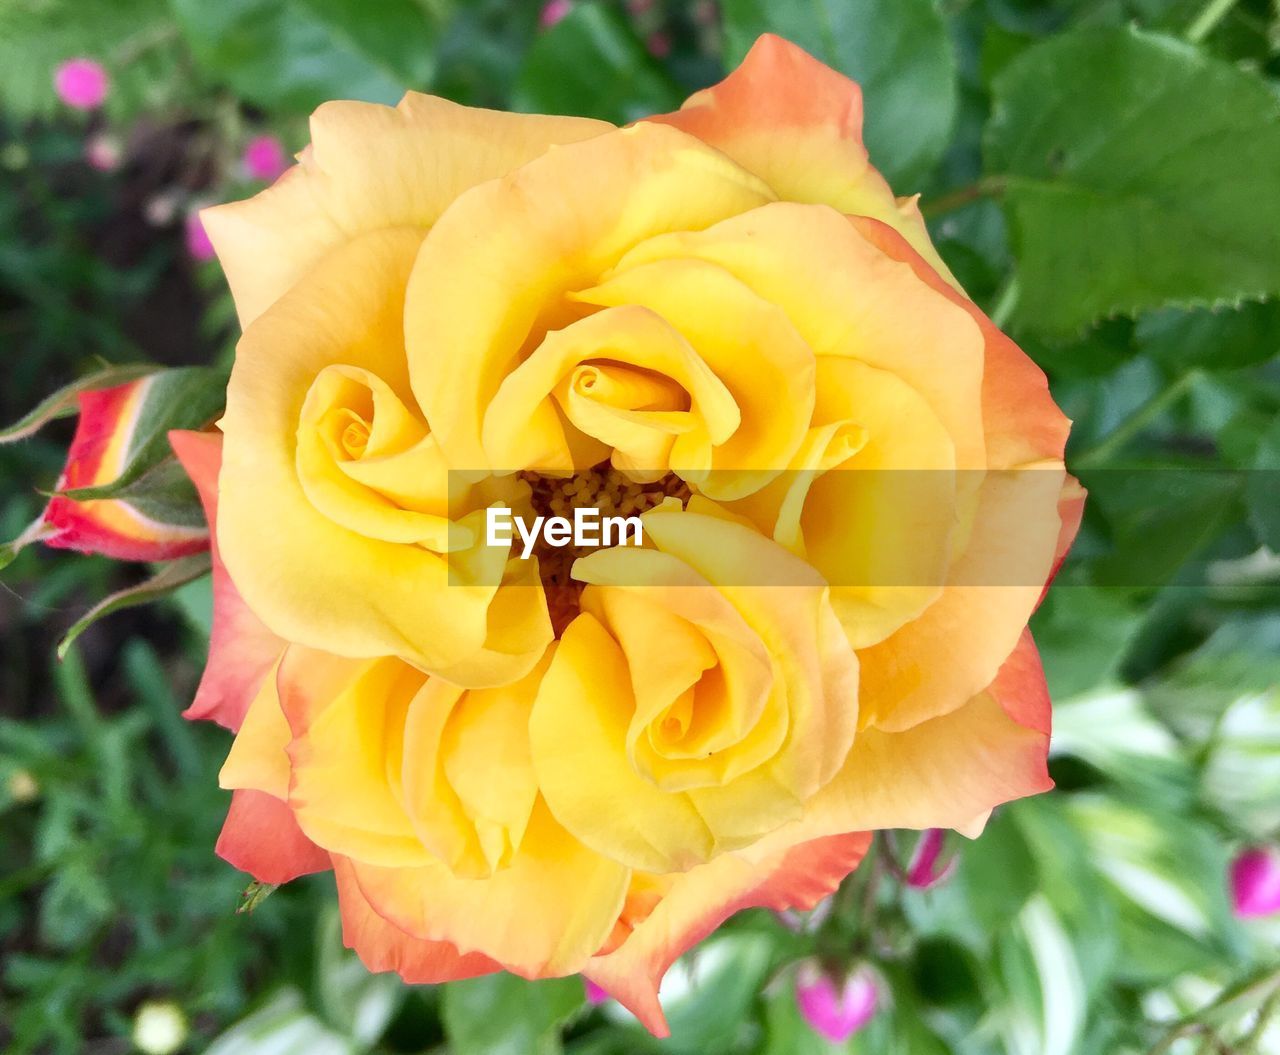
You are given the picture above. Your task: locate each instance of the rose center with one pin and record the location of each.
(602, 488)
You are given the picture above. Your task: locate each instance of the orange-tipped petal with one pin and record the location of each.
(1021, 690)
(382, 946)
(1022, 422)
(797, 124)
(261, 837)
(242, 650)
(698, 901)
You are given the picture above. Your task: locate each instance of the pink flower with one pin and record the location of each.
(595, 995)
(81, 83)
(923, 871)
(198, 244)
(639, 7)
(103, 152)
(553, 11)
(659, 45)
(1255, 882)
(265, 158)
(836, 1012)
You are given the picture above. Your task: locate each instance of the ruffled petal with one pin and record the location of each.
(945, 772)
(779, 876)
(287, 557)
(261, 837)
(542, 916)
(797, 124)
(370, 167)
(242, 651)
(382, 946)
(475, 306)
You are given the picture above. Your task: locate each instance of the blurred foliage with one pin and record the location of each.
(1102, 175)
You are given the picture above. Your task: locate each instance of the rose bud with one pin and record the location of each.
(925, 869)
(112, 421)
(1255, 882)
(835, 1009)
(81, 83)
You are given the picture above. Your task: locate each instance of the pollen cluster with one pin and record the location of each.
(603, 488)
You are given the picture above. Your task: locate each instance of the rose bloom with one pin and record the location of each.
(552, 766)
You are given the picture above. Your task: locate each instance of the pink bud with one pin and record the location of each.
(553, 11)
(103, 152)
(924, 870)
(81, 83)
(639, 8)
(595, 994)
(836, 1012)
(264, 158)
(1255, 882)
(198, 244)
(659, 45)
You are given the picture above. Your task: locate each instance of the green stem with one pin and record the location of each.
(1119, 438)
(987, 187)
(1207, 20)
(1253, 1041)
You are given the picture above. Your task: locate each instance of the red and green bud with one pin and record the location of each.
(137, 527)
(122, 493)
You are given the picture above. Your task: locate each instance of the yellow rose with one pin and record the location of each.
(721, 321)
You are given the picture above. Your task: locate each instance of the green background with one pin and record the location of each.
(1103, 176)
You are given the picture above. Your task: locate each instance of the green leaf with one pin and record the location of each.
(1043, 1005)
(500, 1014)
(1159, 517)
(63, 402)
(1211, 340)
(897, 50)
(169, 578)
(282, 1027)
(707, 995)
(299, 53)
(1165, 870)
(1114, 732)
(1140, 174)
(590, 64)
(1082, 634)
(1262, 492)
(1065, 877)
(352, 1000)
(188, 397)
